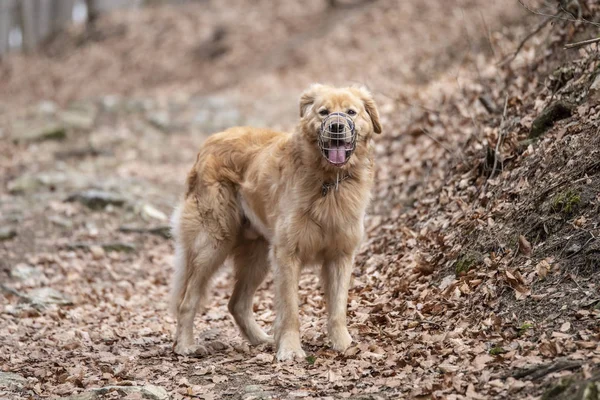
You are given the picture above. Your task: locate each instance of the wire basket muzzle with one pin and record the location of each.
(337, 138)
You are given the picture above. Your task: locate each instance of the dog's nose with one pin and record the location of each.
(337, 128)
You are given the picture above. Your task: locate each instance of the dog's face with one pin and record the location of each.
(339, 121)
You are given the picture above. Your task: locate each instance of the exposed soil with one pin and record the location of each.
(479, 277)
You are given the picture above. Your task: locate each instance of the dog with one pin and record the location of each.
(267, 199)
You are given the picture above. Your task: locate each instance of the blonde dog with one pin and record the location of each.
(270, 199)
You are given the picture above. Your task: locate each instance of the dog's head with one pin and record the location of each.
(339, 121)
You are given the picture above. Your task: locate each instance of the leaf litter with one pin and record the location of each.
(479, 274)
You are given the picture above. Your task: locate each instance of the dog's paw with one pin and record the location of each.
(340, 339)
(261, 339)
(290, 353)
(194, 350)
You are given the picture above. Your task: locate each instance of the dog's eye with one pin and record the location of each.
(351, 112)
(324, 112)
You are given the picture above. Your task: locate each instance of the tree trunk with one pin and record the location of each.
(63, 14)
(44, 16)
(6, 18)
(28, 19)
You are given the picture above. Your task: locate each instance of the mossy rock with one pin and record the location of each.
(571, 389)
(548, 117)
(556, 390)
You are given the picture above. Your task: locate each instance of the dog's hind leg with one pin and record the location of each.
(251, 265)
(201, 250)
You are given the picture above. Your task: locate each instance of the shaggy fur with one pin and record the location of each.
(255, 196)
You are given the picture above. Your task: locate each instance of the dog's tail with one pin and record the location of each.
(179, 273)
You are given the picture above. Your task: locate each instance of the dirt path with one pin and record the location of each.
(90, 174)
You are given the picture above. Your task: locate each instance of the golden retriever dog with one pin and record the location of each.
(269, 199)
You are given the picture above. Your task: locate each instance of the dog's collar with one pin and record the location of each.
(327, 186)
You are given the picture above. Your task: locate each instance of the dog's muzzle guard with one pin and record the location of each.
(337, 138)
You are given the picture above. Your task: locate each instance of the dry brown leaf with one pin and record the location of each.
(524, 246)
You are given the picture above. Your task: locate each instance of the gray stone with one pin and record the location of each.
(82, 396)
(159, 119)
(553, 113)
(162, 230)
(11, 381)
(150, 392)
(97, 199)
(252, 388)
(7, 233)
(79, 116)
(46, 296)
(24, 272)
(136, 105)
(46, 107)
(215, 113)
(111, 103)
(24, 184)
(112, 246)
(60, 221)
(38, 130)
(119, 247)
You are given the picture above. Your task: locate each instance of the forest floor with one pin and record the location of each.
(480, 274)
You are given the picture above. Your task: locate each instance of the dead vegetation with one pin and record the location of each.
(479, 276)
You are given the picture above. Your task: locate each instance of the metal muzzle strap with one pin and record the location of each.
(337, 138)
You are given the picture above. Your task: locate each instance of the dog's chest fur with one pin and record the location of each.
(315, 225)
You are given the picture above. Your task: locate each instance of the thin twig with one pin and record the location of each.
(529, 36)
(498, 143)
(582, 43)
(557, 16)
(488, 33)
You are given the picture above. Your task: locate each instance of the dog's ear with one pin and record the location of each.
(308, 98)
(371, 107)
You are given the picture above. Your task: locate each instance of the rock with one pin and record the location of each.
(136, 105)
(159, 119)
(95, 247)
(555, 112)
(24, 184)
(119, 247)
(38, 130)
(97, 199)
(79, 116)
(149, 211)
(252, 388)
(97, 252)
(46, 107)
(162, 230)
(150, 392)
(594, 92)
(11, 381)
(46, 296)
(82, 396)
(24, 272)
(7, 233)
(111, 103)
(215, 113)
(62, 222)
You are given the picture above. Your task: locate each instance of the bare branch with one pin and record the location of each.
(557, 15)
(582, 43)
(529, 36)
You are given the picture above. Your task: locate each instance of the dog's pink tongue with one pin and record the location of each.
(337, 155)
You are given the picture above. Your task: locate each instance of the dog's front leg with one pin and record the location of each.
(336, 283)
(287, 324)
